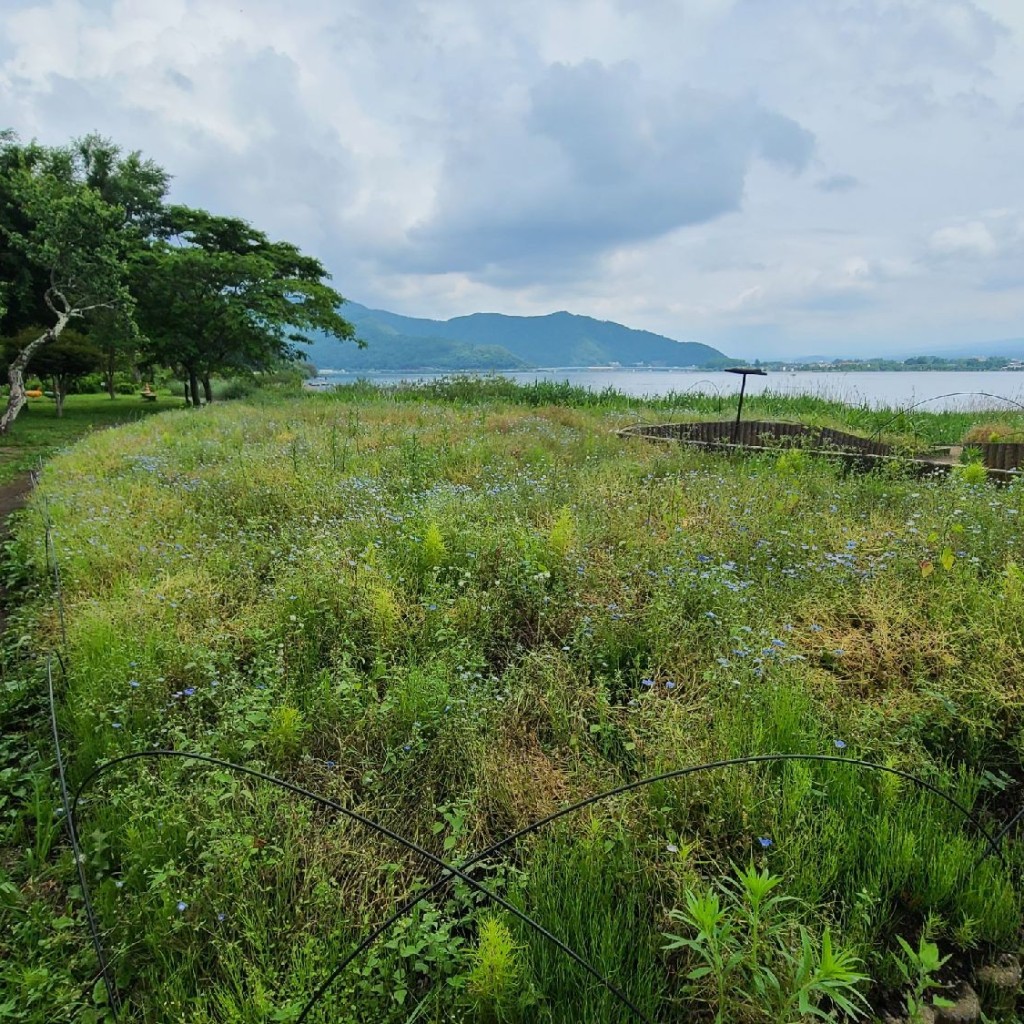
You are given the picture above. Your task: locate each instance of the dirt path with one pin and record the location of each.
(12, 496)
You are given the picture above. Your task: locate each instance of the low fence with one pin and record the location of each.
(1002, 460)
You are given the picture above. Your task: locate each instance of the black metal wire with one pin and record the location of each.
(401, 912)
(375, 827)
(1008, 828)
(112, 994)
(935, 398)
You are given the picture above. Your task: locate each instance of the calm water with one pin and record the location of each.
(937, 390)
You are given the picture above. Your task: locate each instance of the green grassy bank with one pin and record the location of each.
(38, 432)
(455, 610)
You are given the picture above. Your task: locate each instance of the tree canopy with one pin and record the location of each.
(216, 294)
(86, 235)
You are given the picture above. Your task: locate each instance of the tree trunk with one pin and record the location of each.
(16, 371)
(59, 386)
(193, 387)
(207, 390)
(108, 372)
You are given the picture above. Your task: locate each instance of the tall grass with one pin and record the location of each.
(457, 608)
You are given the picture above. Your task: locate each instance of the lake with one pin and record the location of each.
(936, 390)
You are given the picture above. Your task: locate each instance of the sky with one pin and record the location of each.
(777, 178)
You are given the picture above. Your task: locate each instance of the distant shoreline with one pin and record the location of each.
(769, 367)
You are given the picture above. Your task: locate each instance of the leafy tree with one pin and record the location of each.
(215, 294)
(69, 217)
(62, 361)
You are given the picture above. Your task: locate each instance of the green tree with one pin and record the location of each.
(61, 362)
(69, 218)
(215, 294)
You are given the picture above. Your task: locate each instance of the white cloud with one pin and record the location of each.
(631, 159)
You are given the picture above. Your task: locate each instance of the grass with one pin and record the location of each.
(38, 433)
(455, 609)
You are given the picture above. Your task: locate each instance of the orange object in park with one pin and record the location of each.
(33, 394)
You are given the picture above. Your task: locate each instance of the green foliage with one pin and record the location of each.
(217, 294)
(753, 964)
(455, 611)
(919, 968)
(495, 982)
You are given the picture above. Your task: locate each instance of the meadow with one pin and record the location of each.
(456, 609)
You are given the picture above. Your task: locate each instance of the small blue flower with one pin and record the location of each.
(133, 683)
(647, 682)
(839, 652)
(221, 916)
(115, 725)
(182, 906)
(672, 848)
(765, 841)
(670, 685)
(710, 615)
(189, 690)
(839, 744)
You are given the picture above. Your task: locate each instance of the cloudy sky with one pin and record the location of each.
(774, 177)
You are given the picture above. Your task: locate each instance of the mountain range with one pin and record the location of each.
(492, 341)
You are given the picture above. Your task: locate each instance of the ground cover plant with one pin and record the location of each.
(39, 432)
(455, 610)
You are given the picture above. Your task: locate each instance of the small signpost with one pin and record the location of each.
(744, 372)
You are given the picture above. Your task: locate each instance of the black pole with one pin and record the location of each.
(744, 372)
(739, 410)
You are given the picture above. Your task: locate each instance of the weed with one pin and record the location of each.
(751, 962)
(919, 968)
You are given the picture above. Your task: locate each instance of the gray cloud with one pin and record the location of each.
(644, 162)
(837, 183)
(598, 158)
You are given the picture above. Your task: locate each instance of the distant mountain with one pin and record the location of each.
(491, 341)
(1012, 348)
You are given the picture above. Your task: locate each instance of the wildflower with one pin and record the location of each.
(115, 725)
(647, 682)
(765, 841)
(119, 884)
(710, 615)
(839, 652)
(670, 685)
(839, 744)
(672, 848)
(182, 906)
(221, 915)
(133, 683)
(189, 690)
